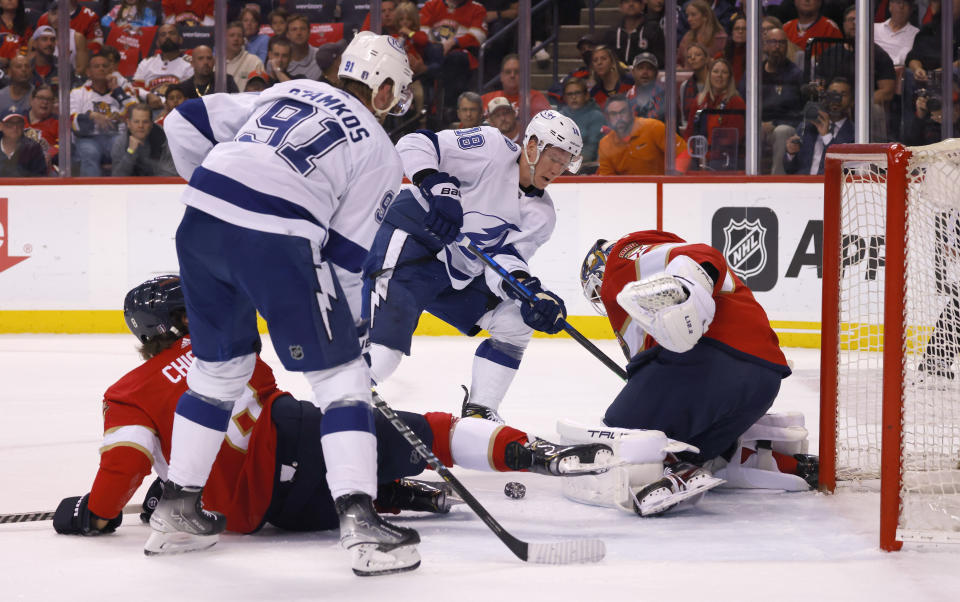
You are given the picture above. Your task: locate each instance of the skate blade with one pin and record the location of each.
(163, 544)
(369, 560)
(690, 496)
(573, 466)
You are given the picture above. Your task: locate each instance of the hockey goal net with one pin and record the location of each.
(890, 381)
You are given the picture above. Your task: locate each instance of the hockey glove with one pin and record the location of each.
(445, 217)
(73, 518)
(545, 313)
(150, 501)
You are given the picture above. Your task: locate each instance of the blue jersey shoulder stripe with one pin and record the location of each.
(433, 138)
(241, 195)
(195, 112)
(344, 252)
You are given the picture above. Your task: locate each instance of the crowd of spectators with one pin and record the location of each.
(133, 61)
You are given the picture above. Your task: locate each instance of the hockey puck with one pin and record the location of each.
(515, 490)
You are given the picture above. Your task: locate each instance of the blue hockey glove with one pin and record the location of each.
(73, 518)
(445, 217)
(547, 310)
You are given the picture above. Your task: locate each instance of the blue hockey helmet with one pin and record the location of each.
(591, 273)
(155, 307)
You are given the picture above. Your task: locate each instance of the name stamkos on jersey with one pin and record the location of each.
(335, 105)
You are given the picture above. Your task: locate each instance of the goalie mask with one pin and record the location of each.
(591, 273)
(154, 307)
(550, 128)
(372, 59)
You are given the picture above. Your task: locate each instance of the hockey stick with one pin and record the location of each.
(573, 332)
(27, 517)
(562, 552)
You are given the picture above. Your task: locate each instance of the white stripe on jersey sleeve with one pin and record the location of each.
(140, 438)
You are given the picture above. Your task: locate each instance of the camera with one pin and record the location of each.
(811, 110)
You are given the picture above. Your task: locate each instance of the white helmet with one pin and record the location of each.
(372, 59)
(553, 129)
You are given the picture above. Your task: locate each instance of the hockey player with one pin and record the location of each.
(270, 469)
(704, 363)
(283, 187)
(419, 262)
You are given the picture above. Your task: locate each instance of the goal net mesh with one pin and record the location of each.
(930, 453)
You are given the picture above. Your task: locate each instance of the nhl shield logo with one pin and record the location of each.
(744, 246)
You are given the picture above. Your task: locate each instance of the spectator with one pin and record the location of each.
(142, 149)
(425, 58)
(589, 118)
(500, 13)
(388, 18)
(328, 61)
(794, 54)
(257, 81)
(256, 41)
(42, 120)
(635, 146)
(608, 74)
(780, 98)
(810, 24)
(96, 112)
(188, 12)
(635, 33)
(155, 73)
(15, 98)
(459, 26)
(82, 20)
(691, 88)
(469, 110)
(240, 63)
(896, 34)
(839, 61)
(113, 61)
(21, 156)
(502, 115)
(704, 30)
(15, 27)
(510, 80)
(45, 58)
(201, 82)
(585, 47)
(721, 94)
(723, 10)
(130, 13)
(834, 125)
(924, 56)
(929, 117)
(735, 50)
(303, 56)
(647, 94)
(278, 21)
(278, 61)
(175, 97)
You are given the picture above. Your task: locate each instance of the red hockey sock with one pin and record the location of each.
(441, 423)
(785, 464)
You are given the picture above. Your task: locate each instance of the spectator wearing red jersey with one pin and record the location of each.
(810, 24)
(44, 42)
(82, 20)
(188, 12)
(510, 80)
(459, 26)
(608, 74)
(15, 28)
(42, 123)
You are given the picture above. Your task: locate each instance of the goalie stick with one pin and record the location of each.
(573, 332)
(27, 517)
(561, 552)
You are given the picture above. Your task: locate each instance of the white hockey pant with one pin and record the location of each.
(497, 359)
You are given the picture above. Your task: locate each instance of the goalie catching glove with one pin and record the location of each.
(445, 216)
(675, 307)
(546, 312)
(74, 518)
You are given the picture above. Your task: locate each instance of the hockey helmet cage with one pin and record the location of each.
(372, 59)
(591, 273)
(553, 129)
(150, 308)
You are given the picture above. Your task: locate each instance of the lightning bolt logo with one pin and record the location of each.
(326, 294)
(378, 294)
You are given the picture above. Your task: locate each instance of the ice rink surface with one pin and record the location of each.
(735, 546)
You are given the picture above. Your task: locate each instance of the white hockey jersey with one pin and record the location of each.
(302, 158)
(500, 218)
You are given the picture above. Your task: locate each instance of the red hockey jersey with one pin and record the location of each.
(86, 22)
(467, 23)
(739, 323)
(138, 423)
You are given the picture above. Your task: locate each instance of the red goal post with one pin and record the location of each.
(882, 415)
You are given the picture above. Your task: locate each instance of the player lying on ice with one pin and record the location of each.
(270, 468)
(704, 368)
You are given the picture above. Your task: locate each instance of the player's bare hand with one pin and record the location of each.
(793, 145)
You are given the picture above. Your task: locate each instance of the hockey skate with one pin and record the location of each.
(683, 486)
(475, 410)
(180, 523)
(934, 374)
(378, 547)
(542, 457)
(420, 496)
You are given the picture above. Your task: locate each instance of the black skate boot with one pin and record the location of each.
(542, 457)
(180, 524)
(419, 496)
(808, 469)
(475, 410)
(682, 486)
(378, 547)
